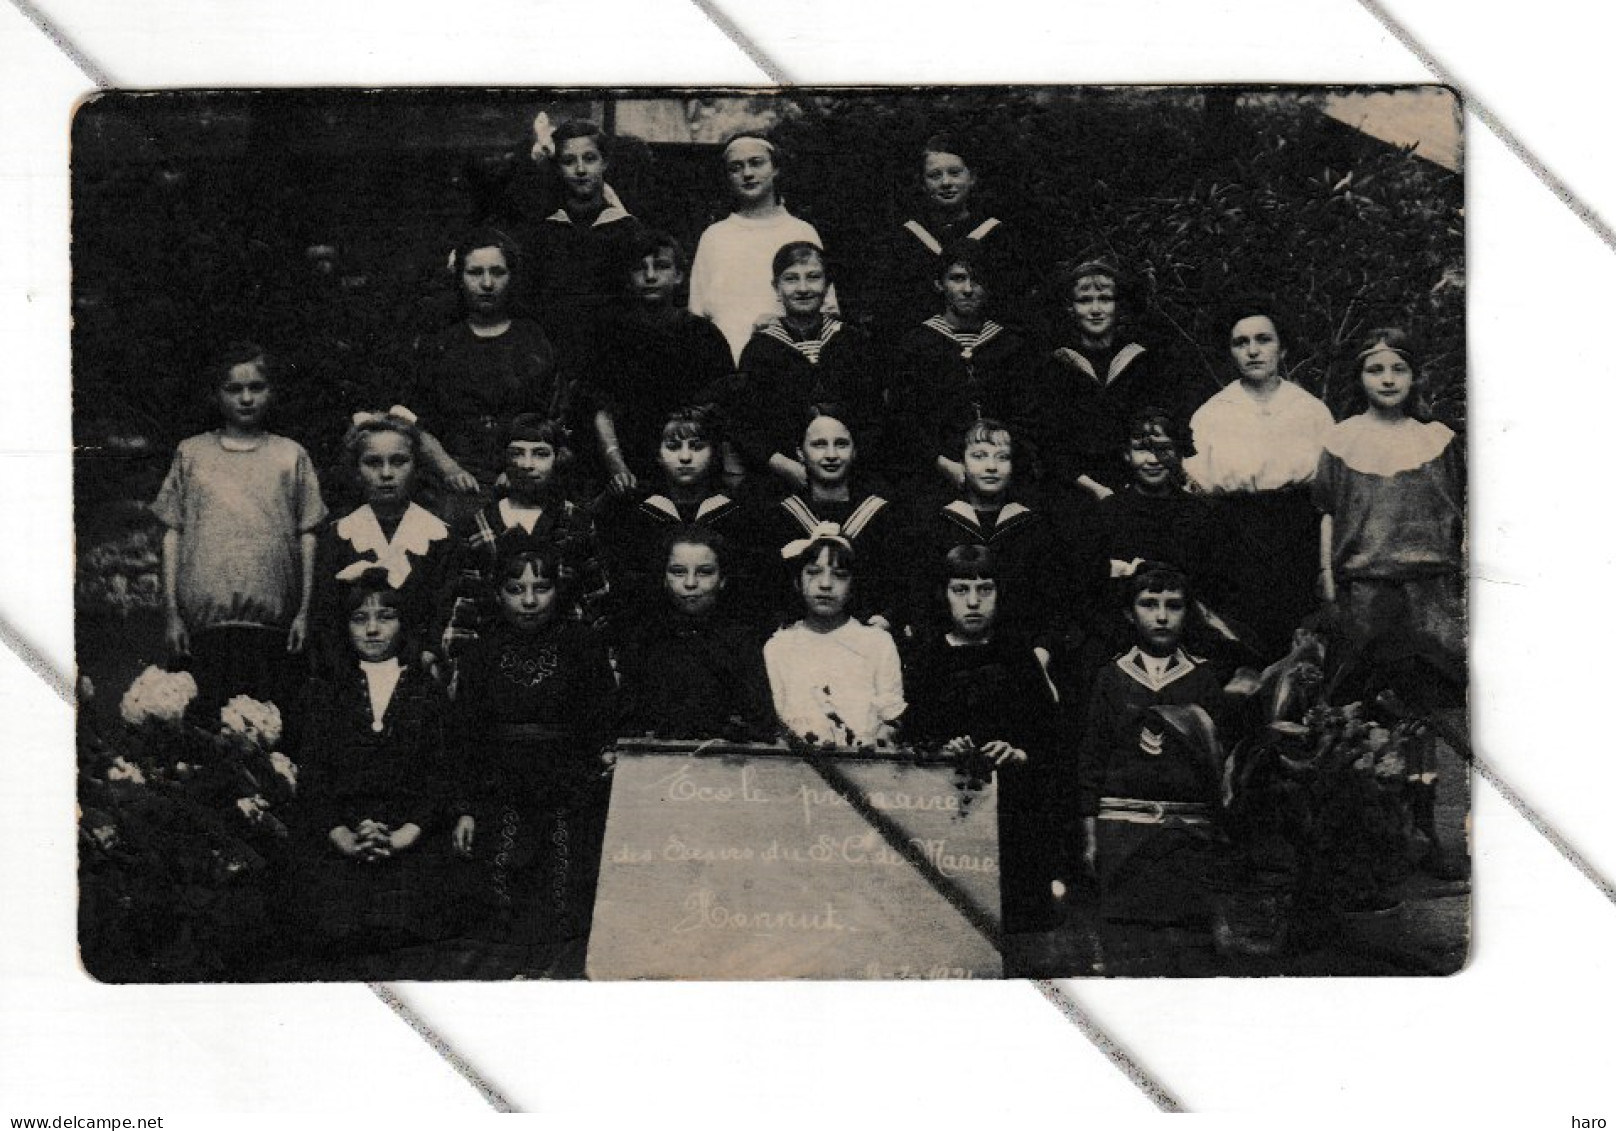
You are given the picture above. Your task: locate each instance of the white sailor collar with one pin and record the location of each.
(1178, 665)
(613, 212)
(965, 512)
(1119, 361)
(416, 532)
(667, 508)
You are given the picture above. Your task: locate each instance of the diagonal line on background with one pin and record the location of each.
(470, 1075)
(739, 38)
(66, 46)
(63, 687)
(1487, 118)
(1110, 1049)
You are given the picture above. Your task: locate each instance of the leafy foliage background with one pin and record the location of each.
(195, 216)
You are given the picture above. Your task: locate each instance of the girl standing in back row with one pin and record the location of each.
(730, 279)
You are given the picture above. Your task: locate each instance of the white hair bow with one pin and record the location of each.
(397, 412)
(824, 532)
(543, 138)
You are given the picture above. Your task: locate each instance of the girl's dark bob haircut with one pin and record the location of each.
(371, 583)
(695, 422)
(966, 253)
(352, 595)
(971, 563)
(1156, 577)
(797, 251)
(1149, 419)
(989, 431)
(487, 237)
(647, 243)
(842, 554)
(546, 562)
(241, 353)
(694, 534)
(536, 428)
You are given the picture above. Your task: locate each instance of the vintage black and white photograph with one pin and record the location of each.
(720, 534)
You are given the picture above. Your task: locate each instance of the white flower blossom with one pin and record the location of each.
(246, 715)
(157, 695)
(285, 767)
(122, 769)
(253, 808)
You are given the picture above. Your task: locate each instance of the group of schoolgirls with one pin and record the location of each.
(725, 524)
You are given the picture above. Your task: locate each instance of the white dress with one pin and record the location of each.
(836, 686)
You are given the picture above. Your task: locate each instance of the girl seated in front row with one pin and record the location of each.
(690, 671)
(834, 681)
(535, 696)
(389, 530)
(839, 494)
(982, 694)
(372, 866)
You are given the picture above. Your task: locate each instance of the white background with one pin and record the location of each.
(1519, 1033)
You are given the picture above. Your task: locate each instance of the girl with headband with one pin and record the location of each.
(1391, 486)
(730, 280)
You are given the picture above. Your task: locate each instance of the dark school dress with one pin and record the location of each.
(404, 772)
(1085, 397)
(464, 389)
(537, 709)
(697, 678)
(946, 380)
(643, 369)
(782, 373)
(635, 533)
(996, 692)
(578, 272)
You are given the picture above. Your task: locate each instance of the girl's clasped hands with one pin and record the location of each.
(372, 840)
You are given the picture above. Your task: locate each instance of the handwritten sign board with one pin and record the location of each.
(768, 865)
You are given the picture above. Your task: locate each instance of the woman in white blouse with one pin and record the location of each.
(1257, 445)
